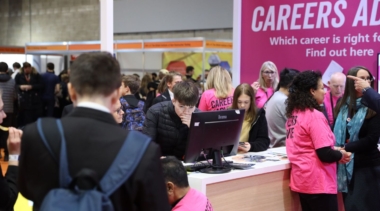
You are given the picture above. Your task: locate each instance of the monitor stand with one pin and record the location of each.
(217, 165)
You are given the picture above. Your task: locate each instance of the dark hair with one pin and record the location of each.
(50, 66)
(3, 67)
(137, 75)
(300, 97)
(132, 82)
(168, 78)
(16, 65)
(26, 64)
(186, 93)
(245, 88)
(350, 92)
(174, 171)
(286, 78)
(189, 69)
(95, 73)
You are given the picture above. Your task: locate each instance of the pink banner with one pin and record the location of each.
(329, 36)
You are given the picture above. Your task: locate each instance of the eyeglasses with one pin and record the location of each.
(367, 79)
(268, 72)
(119, 110)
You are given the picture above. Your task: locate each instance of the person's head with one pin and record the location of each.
(214, 60)
(337, 83)
(169, 81)
(244, 98)
(186, 95)
(65, 78)
(162, 73)
(3, 67)
(175, 177)
(27, 68)
(50, 66)
(154, 76)
(95, 75)
(16, 65)
(146, 79)
(136, 75)
(350, 94)
(220, 80)
(189, 70)
(268, 77)
(2, 112)
(286, 78)
(130, 84)
(306, 92)
(118, 112)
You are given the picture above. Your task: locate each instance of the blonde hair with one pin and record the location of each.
(271, 66)
(220, 80)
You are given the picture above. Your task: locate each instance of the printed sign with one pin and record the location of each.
(329, 36)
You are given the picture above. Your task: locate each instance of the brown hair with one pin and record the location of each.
(132, 82)
(246, 89)
(167, 79)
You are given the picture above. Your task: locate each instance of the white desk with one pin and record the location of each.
(265, 187)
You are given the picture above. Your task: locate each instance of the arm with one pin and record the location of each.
(8, 184)
(328, 155)
(260, 142)
(369, 141)
(150, 123)
(371, 99)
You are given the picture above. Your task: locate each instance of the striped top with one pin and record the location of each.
(7, 86)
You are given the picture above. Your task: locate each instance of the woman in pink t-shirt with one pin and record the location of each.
(310, 145)
(266, 84)
(219, 91)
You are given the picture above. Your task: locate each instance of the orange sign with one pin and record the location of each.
(179, 44)
(20, 50)
(221, 45)
(84, 47)
(46, 48)
(128, 46)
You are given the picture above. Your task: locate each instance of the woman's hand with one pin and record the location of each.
(244, 147)
(255, 86)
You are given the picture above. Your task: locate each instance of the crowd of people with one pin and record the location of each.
(331, 139)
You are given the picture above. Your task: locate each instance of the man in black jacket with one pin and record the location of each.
(89, 129)
(168, 122)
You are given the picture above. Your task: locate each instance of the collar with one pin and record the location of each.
(94, 106)
(171, 95)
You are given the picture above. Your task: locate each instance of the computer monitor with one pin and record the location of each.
(214, 132)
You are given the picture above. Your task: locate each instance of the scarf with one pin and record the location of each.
(353, 126)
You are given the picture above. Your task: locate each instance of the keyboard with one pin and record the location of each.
(196, 166)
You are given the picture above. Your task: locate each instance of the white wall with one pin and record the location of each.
(133, 62)
(171, 15)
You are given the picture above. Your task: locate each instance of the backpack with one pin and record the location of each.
(134, 117)
(70, 196)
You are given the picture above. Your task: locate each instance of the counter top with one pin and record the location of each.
(199, 180)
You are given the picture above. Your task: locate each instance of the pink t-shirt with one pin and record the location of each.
(262, 96)
(307, 131)
(209, 102)
(193, 201)
(329, 107)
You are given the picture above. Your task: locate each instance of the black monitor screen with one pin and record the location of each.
(214, 130)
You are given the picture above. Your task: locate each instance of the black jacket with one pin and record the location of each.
(93, 139)
(258, 135)
(166, 129)
(165, 96)
(30, 99)
(8, 188)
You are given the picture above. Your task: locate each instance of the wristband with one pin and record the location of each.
(13, 157)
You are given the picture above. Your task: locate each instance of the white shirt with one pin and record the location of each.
(16, 71)
(94, 106)
(171, 95)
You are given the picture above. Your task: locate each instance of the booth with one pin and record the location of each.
(134, 54)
